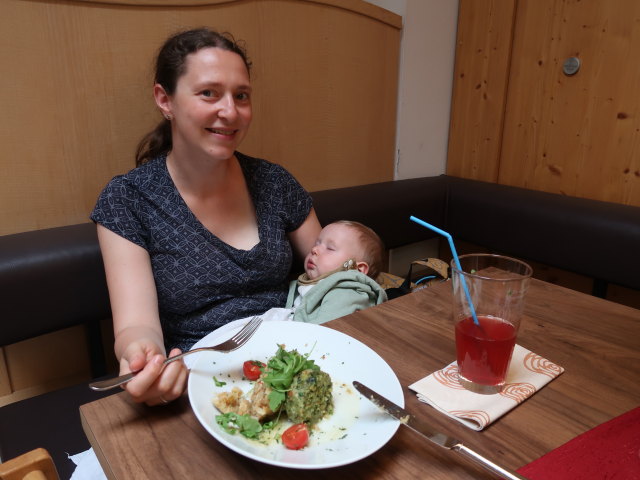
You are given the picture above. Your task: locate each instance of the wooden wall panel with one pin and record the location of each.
(324, 116)
(76, 93)
(483, 52)
(44, 363)
(577, 135)
(26, 369)
(5, 381)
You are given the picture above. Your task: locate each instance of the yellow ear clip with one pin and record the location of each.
(349, 264)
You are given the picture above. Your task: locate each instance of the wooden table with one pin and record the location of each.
(596, 341)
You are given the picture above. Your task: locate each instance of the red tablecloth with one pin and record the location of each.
(609, 451)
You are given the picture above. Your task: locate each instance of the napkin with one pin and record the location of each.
(87, 466)
(528, 373)
(609, 450)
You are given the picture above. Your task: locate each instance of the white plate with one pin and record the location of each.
(355, 430)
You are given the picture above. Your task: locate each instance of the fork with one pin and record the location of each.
(233, 343)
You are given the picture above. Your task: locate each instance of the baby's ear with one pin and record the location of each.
(363, 267)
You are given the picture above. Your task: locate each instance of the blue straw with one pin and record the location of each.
(455, 258)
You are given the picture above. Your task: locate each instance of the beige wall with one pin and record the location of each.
(426, 82)
(71, 132)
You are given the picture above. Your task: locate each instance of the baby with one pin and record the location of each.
(340, 272)
(339, 278)
(341, 241)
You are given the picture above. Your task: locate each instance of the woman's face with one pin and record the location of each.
(211, 106)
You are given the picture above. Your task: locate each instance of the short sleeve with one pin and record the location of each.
(295, 201)
(118, 209)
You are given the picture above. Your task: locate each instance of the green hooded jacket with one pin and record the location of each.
(336, 295)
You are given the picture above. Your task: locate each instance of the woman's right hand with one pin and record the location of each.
(153, 384)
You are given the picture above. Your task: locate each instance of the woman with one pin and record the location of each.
(198, 234)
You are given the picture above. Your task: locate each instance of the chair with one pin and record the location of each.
(33, 465)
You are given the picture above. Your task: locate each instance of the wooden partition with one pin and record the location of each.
(519, 119)
(483, 50)
(76, 93)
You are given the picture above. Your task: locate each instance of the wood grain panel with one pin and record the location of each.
(577, 135)
(481, 75)
(319, 107)
(48, 358)
(76, 92)
(5, 381)
(356, 6)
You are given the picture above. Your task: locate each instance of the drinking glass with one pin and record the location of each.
(496, 286)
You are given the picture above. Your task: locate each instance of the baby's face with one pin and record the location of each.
(335, 245)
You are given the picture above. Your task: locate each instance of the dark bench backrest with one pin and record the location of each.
(386, 207)
(588, 237)
(49, 280)
(597, 239)
(54, 278)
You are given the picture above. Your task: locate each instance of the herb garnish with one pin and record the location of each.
(281, 369)
(245, 424)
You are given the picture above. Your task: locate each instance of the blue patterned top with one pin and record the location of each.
(202, 282)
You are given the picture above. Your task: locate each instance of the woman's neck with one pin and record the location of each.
(218, 196)
(200, 177)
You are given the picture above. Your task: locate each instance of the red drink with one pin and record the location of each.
(483, 352)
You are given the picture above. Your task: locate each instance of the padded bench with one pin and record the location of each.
(50, 280)
(588, 237)
(54, 278)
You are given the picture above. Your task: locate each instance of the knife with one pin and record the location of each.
(438, 438)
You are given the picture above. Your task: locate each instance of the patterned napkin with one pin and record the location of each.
(528, 373)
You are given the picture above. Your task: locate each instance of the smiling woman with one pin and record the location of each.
(198, 234)
(94, 107)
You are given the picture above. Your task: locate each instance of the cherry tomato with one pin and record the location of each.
(251, 369)
(296, 437)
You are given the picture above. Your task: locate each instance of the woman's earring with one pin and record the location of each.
(168, 116)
